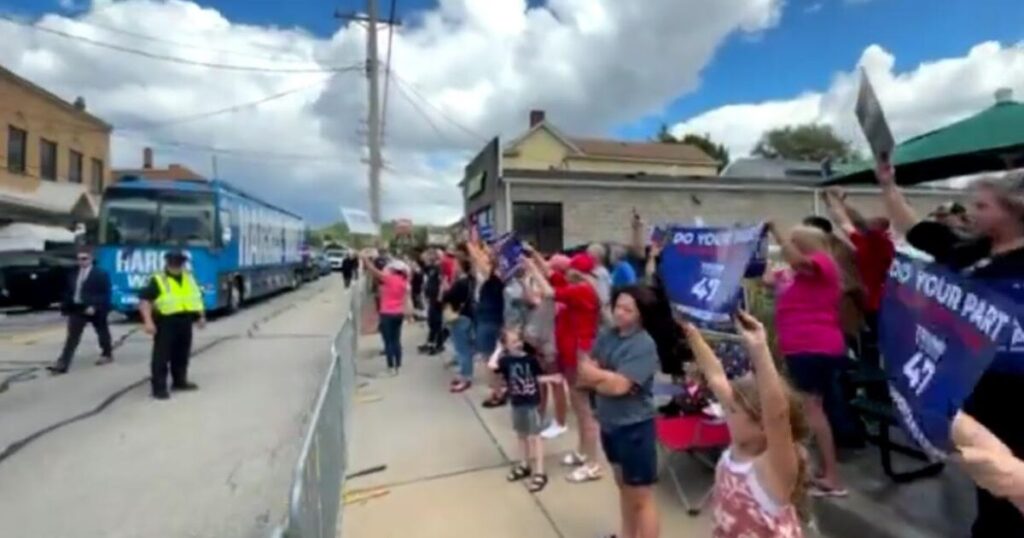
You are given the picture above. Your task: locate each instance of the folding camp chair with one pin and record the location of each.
(695, 436)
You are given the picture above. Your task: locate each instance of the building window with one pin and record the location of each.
(74, 166)
(16, 150)
(96, 176)
(47, 159)
(540, 224)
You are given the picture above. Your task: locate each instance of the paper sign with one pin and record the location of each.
(938, 332)
(509, 251)
(702, 270)
(359, 222)
(872, 121)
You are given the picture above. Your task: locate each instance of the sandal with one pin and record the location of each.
(497, 399)
(518, 472)
(584, 473)
(537, 483)
(574, 459)
(820, 489)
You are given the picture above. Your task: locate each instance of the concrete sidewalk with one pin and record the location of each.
(447, 458)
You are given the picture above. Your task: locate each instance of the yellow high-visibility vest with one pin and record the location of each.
(178, 298)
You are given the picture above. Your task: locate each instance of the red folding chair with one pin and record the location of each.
(696, 436)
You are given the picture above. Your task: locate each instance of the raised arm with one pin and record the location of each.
(900, 212)
(782, 459)
(370, 267)
(709, 364)
(538, 278)
(838, 211)
(789, 252)
(651, 265)
(479, 258)
(636, 234)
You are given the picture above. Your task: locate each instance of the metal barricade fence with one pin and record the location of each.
(314, 502)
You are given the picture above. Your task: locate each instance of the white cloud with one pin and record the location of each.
(591, 63)
(814, 7)
(930, 95)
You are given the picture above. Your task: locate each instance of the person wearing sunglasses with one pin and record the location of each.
(86, 301)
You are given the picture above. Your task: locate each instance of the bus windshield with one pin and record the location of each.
(157, 218)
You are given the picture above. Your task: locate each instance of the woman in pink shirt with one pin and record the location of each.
(394, 291)
(808, 295)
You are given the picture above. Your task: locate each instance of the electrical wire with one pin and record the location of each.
(166, 58)
(227, 110)
(423, 114)
(411, 87)
(155, 39)
(387, 63)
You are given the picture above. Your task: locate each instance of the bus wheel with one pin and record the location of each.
(235, 297)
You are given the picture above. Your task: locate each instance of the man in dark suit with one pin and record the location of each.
(86, 300)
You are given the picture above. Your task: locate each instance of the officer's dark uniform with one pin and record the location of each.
(176, 304)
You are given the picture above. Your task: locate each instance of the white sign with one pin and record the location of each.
(359, 222)
(872, 121)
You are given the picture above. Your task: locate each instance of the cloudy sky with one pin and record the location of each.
(281, 101)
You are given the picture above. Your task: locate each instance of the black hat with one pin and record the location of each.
(175, 256)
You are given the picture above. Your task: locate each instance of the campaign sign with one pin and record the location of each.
(759, 263)
(938, 333)
(509, 250)
(872, 121)
(703, 269)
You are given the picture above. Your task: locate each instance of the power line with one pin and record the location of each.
(165, 58)
(423, 114)
(85, 127)
(387, 62)
(252, 154)
(444, 115)
(230, 109)
(155, 39)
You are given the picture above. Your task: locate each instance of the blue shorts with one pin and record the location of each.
(814, 373)
(486, 336)
(632, 449)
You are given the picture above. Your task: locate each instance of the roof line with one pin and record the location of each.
(47, 94)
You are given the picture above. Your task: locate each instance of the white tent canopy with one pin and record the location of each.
(24, 236)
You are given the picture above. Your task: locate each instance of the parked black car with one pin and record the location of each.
(33, 279)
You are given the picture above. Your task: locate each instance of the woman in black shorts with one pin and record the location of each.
(621, 374)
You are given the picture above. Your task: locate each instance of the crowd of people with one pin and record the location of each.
(591, 333)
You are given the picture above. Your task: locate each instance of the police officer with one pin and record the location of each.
(170, 304)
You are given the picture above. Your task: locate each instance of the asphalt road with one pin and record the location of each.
(91, 454)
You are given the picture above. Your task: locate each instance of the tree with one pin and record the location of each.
(807, 142)
(717, 152)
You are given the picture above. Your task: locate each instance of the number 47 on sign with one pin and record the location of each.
(919, 371)
(706, 288)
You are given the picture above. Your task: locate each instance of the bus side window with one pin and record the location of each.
(224, 235)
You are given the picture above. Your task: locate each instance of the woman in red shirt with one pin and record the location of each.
(581, 313)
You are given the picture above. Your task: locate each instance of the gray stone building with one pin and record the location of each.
(557, 209)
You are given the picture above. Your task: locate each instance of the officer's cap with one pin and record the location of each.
(175, 256)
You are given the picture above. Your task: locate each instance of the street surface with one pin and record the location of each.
(447, 458)
(90, 454)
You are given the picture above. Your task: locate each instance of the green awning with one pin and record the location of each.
(991, 140)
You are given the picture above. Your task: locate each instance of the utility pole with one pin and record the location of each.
(374, 117)
(373, 76)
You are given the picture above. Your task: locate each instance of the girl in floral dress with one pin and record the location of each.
(760, 482)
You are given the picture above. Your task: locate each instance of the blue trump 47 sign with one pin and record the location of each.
(703, 268)
(938, 333)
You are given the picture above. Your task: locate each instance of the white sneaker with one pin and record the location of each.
(553, 431)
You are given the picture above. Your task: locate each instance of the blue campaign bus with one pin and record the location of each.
(239, 247)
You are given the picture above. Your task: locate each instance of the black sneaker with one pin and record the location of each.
(185, 387)
(425, 348)
(161, 395)
(57, 369)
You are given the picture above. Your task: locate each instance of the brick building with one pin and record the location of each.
(559, 207)
(54, 161)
